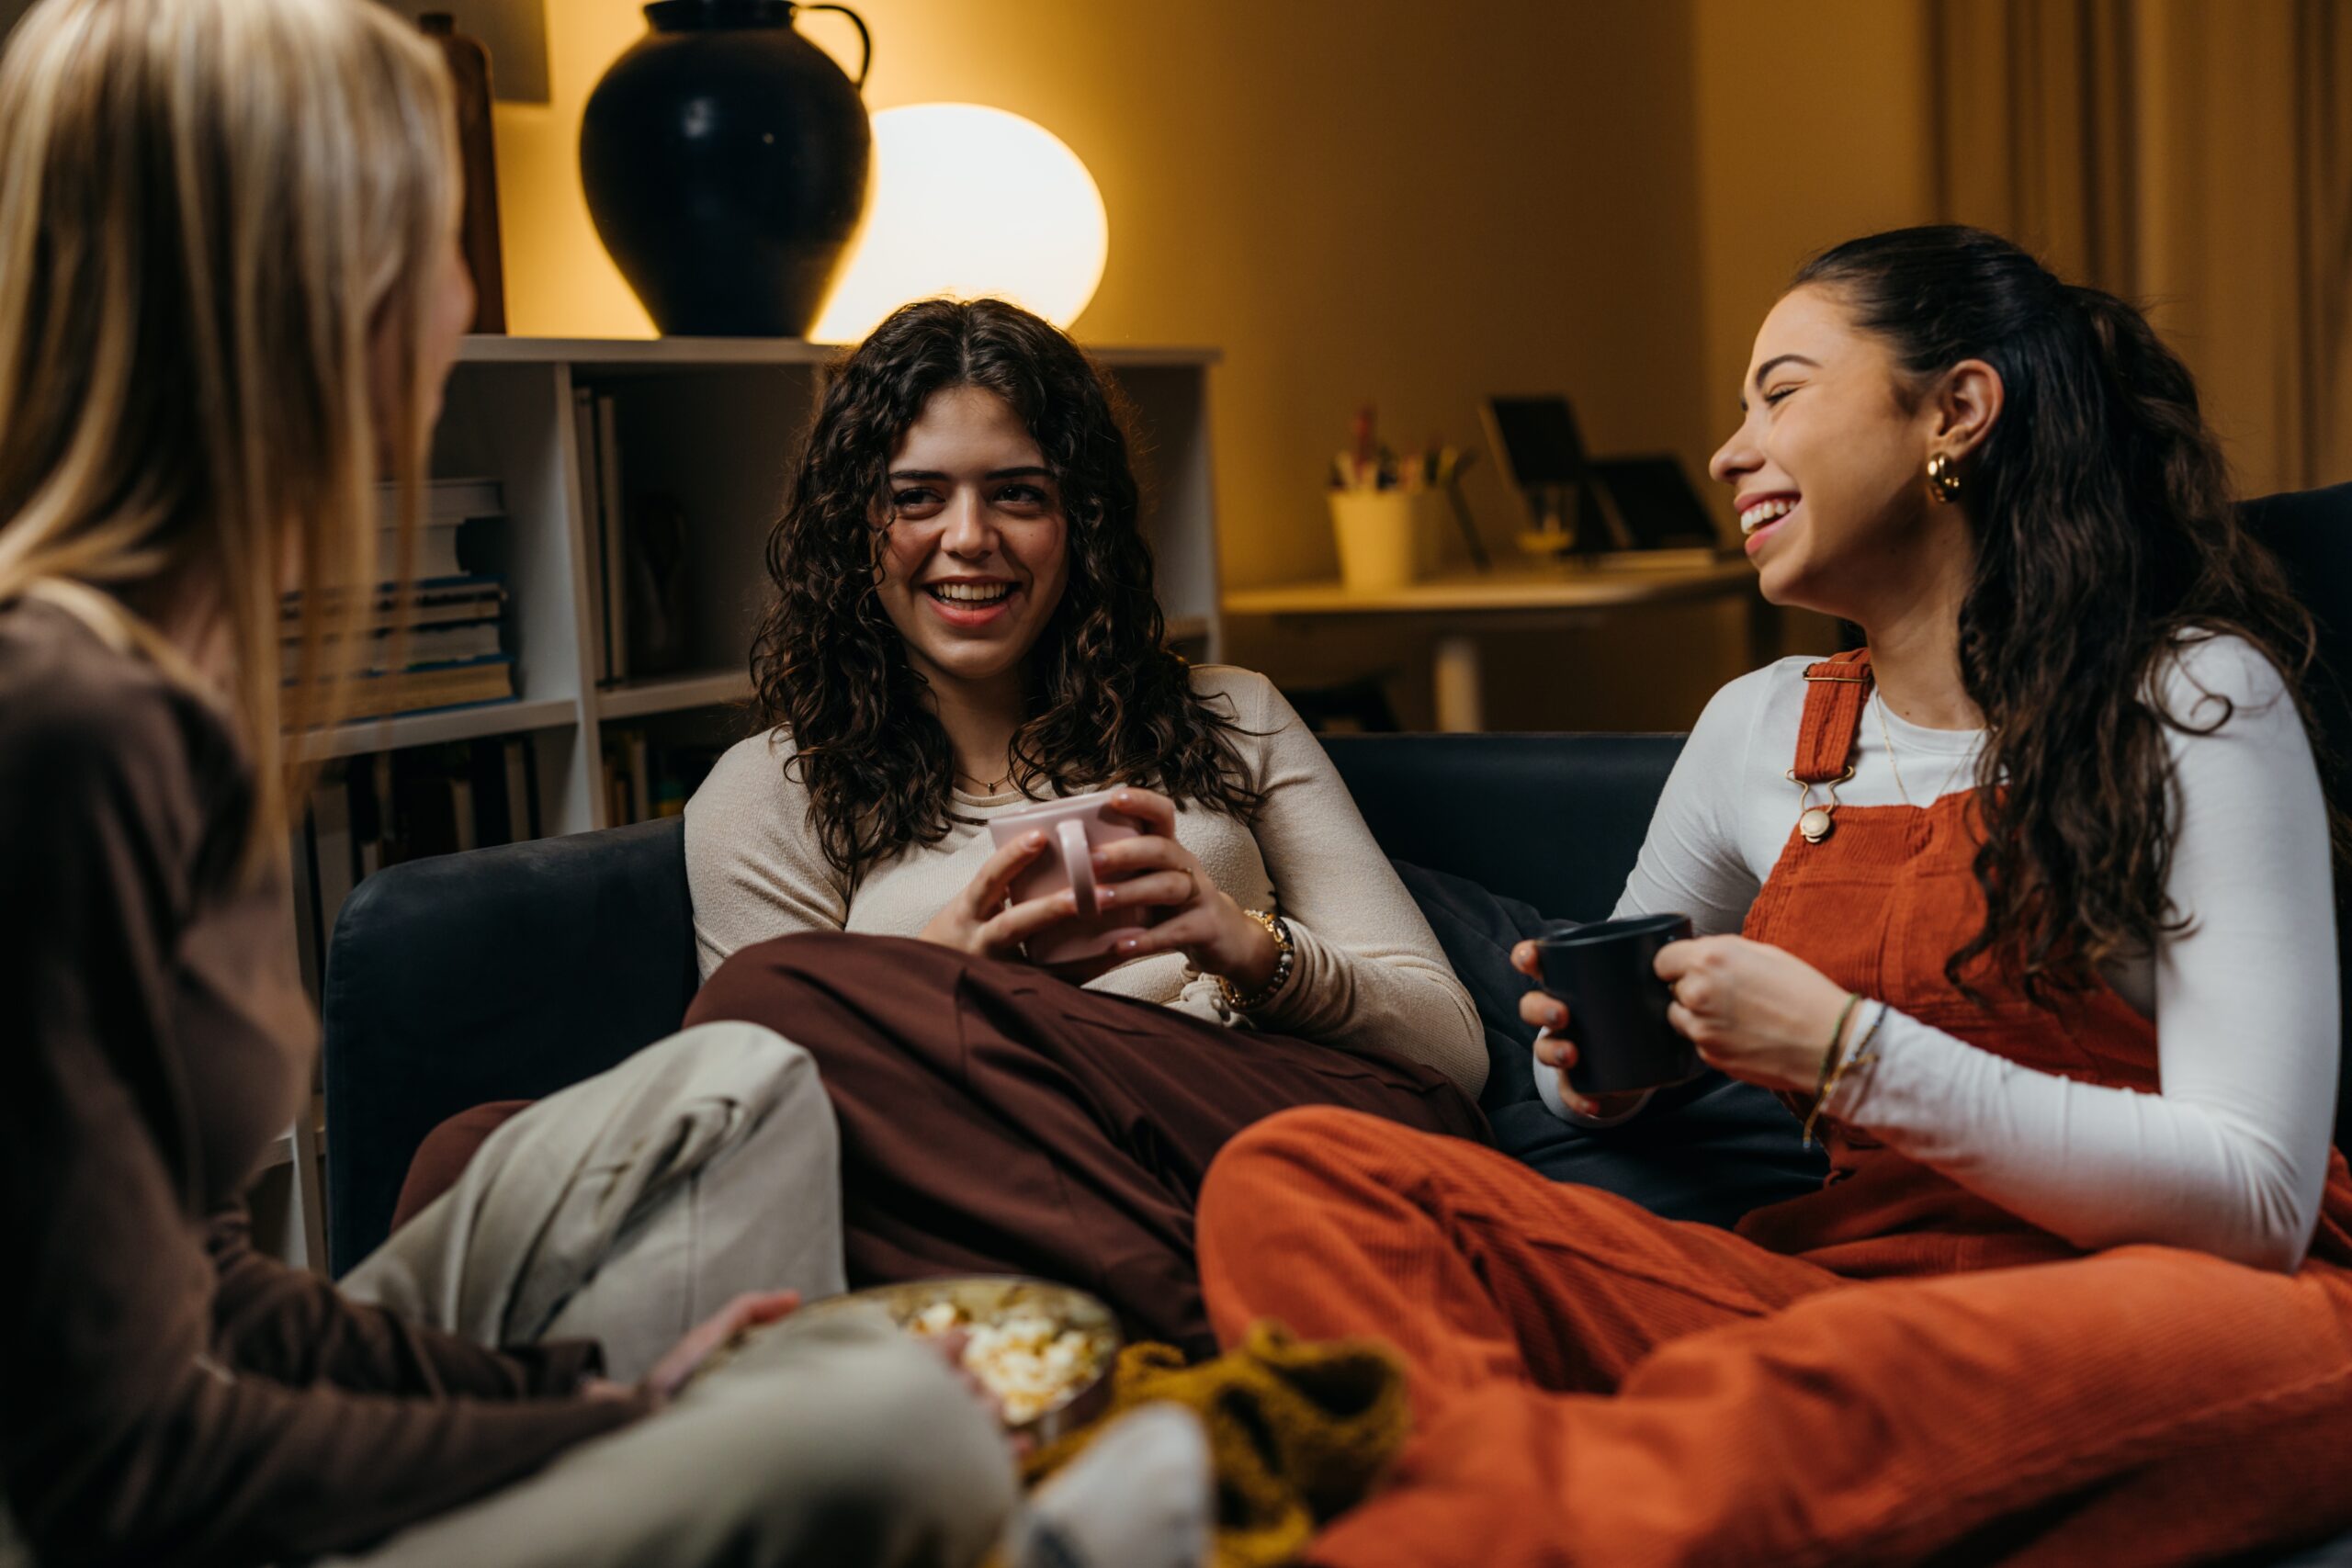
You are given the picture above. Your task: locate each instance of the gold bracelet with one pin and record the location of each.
(1288, 954)
(1855, 1057)
(1832, 1059)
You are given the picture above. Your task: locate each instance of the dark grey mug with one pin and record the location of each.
(1606, 972)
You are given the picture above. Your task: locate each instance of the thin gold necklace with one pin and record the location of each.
(985, 788)
(1878, 700)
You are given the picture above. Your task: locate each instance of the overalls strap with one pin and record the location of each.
(1835, 692)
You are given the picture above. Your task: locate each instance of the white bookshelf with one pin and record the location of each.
(715, 422)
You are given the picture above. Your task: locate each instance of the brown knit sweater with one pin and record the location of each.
(167, 1395)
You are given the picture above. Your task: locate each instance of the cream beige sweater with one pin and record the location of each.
(1369, 972)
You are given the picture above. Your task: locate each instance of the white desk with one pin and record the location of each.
(1470, 604)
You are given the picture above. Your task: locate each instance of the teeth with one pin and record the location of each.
(1764, 511)
(971, 593)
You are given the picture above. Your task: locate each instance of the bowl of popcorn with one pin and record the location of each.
(1042, 1351)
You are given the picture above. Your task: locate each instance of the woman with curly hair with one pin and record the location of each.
(965, 626)
(2039, 940)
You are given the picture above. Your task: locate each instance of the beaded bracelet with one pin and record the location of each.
(1279, 930)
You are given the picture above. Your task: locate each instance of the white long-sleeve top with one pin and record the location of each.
(1366, 969)
(2231, 1155)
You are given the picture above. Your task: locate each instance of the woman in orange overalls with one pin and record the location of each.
(2079, 1288)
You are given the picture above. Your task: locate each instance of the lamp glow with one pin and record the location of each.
(967, 202)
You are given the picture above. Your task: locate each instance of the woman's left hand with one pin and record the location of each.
(1756, 1012)
(1195, 917)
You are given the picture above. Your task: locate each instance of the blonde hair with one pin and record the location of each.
(220, 225)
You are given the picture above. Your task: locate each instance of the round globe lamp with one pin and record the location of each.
(969, 201)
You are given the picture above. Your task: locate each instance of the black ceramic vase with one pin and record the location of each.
(725, 159)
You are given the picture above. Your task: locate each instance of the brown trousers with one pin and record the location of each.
(994, 1119)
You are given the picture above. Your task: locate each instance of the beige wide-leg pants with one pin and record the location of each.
(630, 1207)
(836, 1443)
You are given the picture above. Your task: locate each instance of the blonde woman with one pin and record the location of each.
(229, 293)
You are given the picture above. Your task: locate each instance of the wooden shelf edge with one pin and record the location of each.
(367, 737)
(640, 699)
(1518, 589)
(280, 1150)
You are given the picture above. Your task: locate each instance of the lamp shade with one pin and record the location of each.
(969, 200)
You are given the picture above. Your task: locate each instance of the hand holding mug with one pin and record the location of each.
(981, 921)
(1553, 1049)
(1195, 917)
(1598, 980)
(1756, 1012)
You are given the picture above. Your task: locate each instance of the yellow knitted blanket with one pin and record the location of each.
(1298, 1432)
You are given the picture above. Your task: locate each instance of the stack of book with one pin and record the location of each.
(435, 635)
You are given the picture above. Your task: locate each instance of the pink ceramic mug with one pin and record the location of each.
(1075, 828)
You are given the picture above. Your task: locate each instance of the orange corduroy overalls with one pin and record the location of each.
(1888, 1369)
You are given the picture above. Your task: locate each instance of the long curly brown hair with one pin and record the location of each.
(1109, 701)
(2106, 538)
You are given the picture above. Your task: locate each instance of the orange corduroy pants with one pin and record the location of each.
(1593, 1384)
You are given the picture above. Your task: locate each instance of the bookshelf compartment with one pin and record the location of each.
(501, 421)
(709, 451)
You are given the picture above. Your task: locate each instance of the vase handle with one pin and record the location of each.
(865, 42)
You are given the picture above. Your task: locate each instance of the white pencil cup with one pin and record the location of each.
(1385, 536)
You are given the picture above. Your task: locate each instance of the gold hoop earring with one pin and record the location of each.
(1943, 479)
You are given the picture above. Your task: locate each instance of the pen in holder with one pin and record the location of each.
(1387, 511)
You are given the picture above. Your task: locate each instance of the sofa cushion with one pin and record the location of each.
(1709, 1150)
(1478, 929)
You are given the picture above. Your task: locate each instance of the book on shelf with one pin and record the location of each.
(303, 890)
(421, 688)
(438, 549)
(433, 553)
(612, 540)
(421, 604)
(597, 429)
(447, 500)
(647, 777)
(584, 430)
(432, 645)
(443, 643)
(370, 812)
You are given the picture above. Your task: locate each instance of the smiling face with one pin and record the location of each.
(1829, 461)
(974, 553)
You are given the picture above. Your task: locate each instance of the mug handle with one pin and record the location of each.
(864, 42)
(1077, 861)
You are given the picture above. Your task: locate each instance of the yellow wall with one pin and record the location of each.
(1807, 135)
(1414, 210)
(1809, 131)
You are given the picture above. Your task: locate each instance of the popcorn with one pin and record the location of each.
(1029, 1361)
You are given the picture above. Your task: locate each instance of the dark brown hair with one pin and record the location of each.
(1109, 701)
(2106, 538)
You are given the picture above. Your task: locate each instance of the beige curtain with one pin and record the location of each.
(2195, 155)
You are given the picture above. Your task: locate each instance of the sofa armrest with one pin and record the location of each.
(498, 974)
